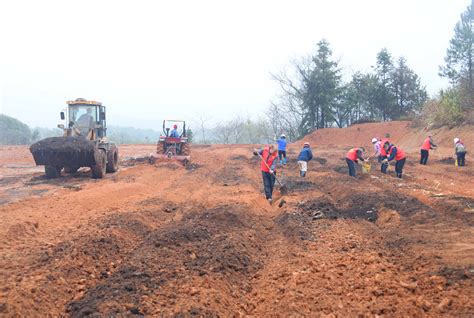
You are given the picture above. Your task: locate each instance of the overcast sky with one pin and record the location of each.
(149, 60)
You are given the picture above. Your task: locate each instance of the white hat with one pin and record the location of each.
(374, 140)
(282, 135)
(456, 140)
(306, 143)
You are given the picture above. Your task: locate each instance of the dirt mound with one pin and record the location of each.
(357, 135)
(402, 133)
(220, 241)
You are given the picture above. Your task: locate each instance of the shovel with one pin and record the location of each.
(283, 188)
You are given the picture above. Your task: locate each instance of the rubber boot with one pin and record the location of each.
(303, 174)
(284, 161)
(399, 175)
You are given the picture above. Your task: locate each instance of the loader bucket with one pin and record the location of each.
(64, 151)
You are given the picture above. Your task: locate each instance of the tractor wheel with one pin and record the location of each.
(69, 169)
(185, 149)
(52, 172)
(98, 170)
(112, 160)
(161, 148)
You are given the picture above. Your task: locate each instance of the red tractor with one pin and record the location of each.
(174, 143)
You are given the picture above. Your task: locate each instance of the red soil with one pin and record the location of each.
(166, 240)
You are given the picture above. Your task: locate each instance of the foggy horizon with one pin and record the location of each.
(151, 61)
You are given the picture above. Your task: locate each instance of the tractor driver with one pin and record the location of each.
(174, 133)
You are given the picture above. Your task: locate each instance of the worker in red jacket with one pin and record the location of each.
(352, 157)
(428, 144)
(383, 155)
(396, 153)
(268, 162)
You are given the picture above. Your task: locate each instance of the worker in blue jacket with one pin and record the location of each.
(305, 155)
(282, 149)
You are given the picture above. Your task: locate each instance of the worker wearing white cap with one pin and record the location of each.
(460, 151)
(305, 155)
(377, 148)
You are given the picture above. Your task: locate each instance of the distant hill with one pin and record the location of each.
(13, 131)
(131, 135)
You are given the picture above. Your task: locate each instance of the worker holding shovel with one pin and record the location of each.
(268, 162)
(428, 144)
(396, 153)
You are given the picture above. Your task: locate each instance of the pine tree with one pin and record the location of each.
(383, 93)
(409, 93)
(459, 58)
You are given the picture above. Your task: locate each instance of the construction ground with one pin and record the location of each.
(203, 241)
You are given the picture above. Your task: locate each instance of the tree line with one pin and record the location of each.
(314, 95)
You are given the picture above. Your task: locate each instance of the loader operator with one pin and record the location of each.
(394, 153)
(85, 122)
(268, 160)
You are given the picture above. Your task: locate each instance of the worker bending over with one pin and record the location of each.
(397, 154)
(428, 144)
(353, 156)
(460, 151)
(383, 155)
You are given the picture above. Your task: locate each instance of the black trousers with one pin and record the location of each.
(352, 169)
(399, 167)
(461, 158)
(424, 156)
(268, 183)
(281, 154)
(383, 166)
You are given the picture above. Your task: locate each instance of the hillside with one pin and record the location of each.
(401, 134)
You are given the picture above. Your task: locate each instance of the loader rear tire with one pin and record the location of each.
(112, 160)
(52, 172)
(98, 170)
(69, 169)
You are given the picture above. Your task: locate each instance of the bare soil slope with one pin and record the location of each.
(203, 241)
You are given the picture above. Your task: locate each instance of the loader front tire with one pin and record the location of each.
(98, 170)
(52, 172)
(112, 160)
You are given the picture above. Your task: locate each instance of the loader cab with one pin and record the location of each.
(86, 118)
